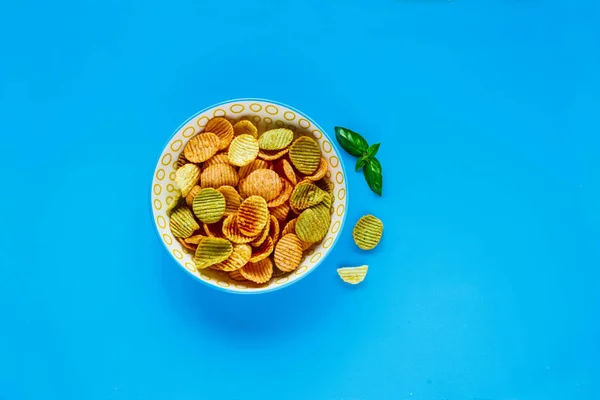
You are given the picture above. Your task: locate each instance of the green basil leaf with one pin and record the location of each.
(351, 141)
(373, 175)
(372, 150)
(361, 163)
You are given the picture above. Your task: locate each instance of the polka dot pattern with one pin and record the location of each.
(260, 112)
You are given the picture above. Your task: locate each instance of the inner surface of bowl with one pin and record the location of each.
(265, 115)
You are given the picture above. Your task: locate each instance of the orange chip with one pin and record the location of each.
(239, 257)
(237, 276)
(232, 199)
(187, 245)
(271, 155)
(288, 170)
(284, 195)
(280, 212)
(288, 252)
(290, 227)
(253, 166)
(214, 230)
(259, 272)
(189, 198)
(245, 127)
(263, 251)
(223, 129)
(252, 216)
(218, 175)
(195, 239)
(277, 272)
(231, 231)
(274, 229)
(219, 158)
(262, 182)
(201, 147)
(262, 237)
(320, 172)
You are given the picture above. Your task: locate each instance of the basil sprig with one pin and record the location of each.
(357, 146)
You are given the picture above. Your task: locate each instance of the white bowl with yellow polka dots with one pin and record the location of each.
(266, 115)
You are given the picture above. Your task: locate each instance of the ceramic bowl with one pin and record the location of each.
(266, 115)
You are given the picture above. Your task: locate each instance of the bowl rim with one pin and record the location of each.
(277, 287)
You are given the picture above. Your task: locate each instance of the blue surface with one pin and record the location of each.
(485, 286)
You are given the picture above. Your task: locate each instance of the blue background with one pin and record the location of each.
(485, 286)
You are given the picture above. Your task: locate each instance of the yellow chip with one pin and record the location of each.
(259, 272)
(237, 276)
(320, 172)
(231, 231)
(209, 205)
(201, 147)
(313, 224)
(186, 245)
(263, 251)
(212, 251)
(181, 160)
(280, 212)
(174, 203)
(367, 232)
(245, 127)
(271, 155)
(182, 222)
(232, 199)
(239, 257)
(260, 239)
(288, 252)
(243, 150)
(353, 275)
(189, 199)
(252, 216)
(223, 129)
(218, 175)
(275, 139)
(262, 182)
(195, 239)
(186, 177)
(214, 230)
(219, 158)
(305, 155)
(253, 166)
(306, 194)
(274, 229)
(284, 195)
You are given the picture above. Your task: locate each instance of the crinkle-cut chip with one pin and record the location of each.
(218, 175)
(232, 199)
(280, 212)
(260, 239)
(239, 257)
(233, 233)
(263, 251)
(327, 200)
(271, 155)
(320, 172)
(237, 276)
(187, 246)
(219, 158)
(209, 205)
(306, 194)
(274, 229)
(313, 223)
(367, 232)
(223, 129)
(275, 139)
(189, 199)
(194, 239)
(288, 252)
(258, 272)
(289, 172)
(182, 222)
(353, 275)
(201, 147)
(325, 185)
(174, 203)
(290, 227)
(252, 215)
(186, 177)
(283, 196)
(253, 166)
(245, 127)
(277, 272)
(305, 155)
(214, 230)
(242, 150)
(181, 160)
(212, 251)
(262, 182)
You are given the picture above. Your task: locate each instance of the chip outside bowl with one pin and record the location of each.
(266, 114)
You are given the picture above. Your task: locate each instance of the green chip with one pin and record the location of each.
(182, 222)
(212, 251)
(312, 225)
(275, 139)
(367, 232)
(307, 194)
(209, 205)
(175, 202)
(305, 154)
